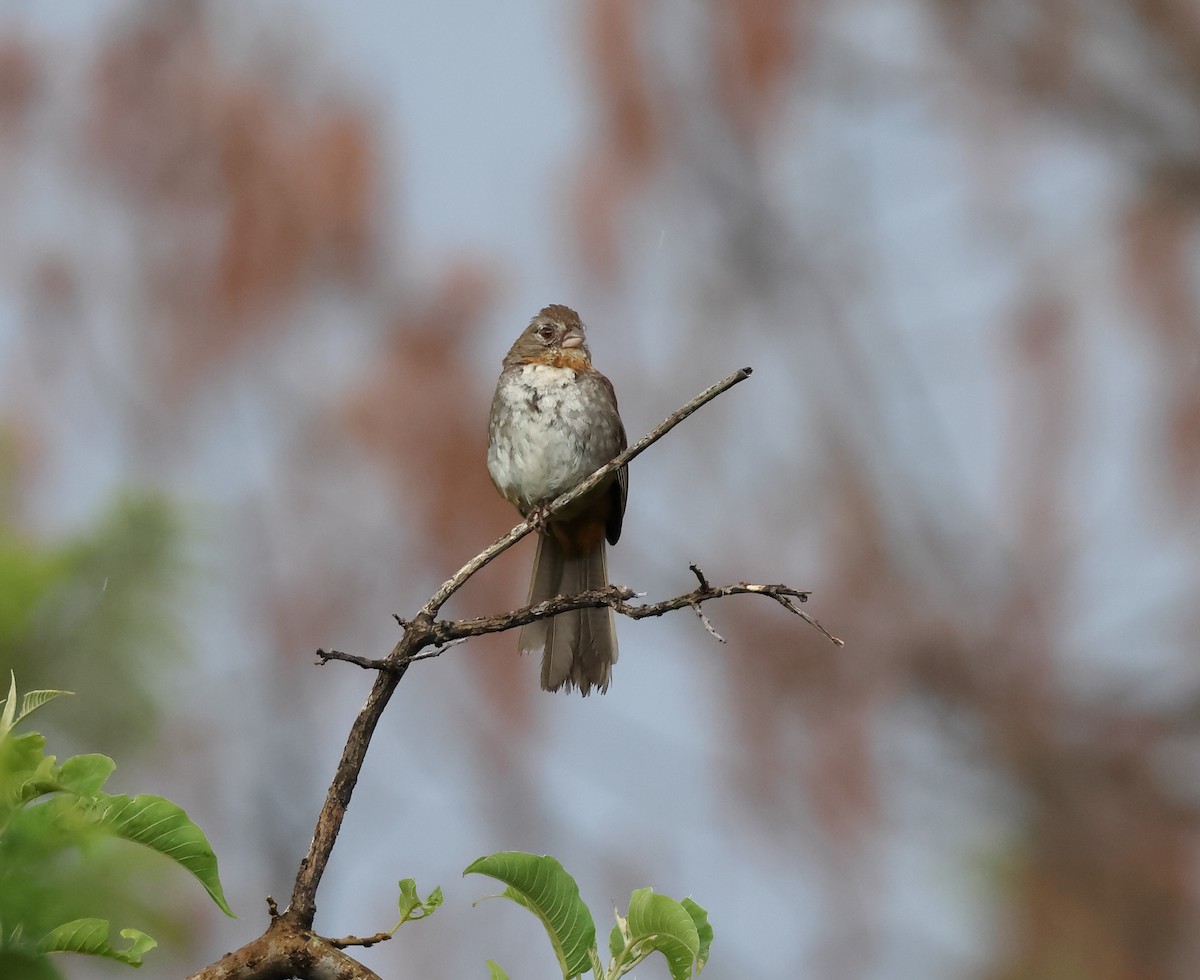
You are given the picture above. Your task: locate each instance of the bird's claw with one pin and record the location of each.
(537, 516)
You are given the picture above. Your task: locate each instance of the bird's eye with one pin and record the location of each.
(546, 333)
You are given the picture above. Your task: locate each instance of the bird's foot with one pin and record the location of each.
(537, 516)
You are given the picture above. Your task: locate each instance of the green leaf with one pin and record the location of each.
(26, 772)
(35, 699)
(411, 905)
(494, 972)
(83, 775)
(9, 714)
(409, 899)
(21, 757)
(91, 936)
(541, 885)
(657, 922)
(21, 753)
(164, 827)
(703, 929)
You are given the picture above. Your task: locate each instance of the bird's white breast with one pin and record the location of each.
(539, 431)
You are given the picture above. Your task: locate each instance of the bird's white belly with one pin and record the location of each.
(538, 441)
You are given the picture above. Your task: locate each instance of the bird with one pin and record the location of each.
(553, 422)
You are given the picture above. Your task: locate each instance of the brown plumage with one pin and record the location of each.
(554, 421)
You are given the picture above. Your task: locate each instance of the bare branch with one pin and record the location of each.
(365, 662)
(617, 597)
(303, 906)
(365, 943)
(705, 622)
(784, 598)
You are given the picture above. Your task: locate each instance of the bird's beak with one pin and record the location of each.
(572, 338)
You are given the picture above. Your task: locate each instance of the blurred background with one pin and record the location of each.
(259, 262)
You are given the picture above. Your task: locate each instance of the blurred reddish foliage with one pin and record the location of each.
(1175, 26)
(19, 82)
(1102, 883)
(424, 386)
(629, 132)
(246, 194)
(756, 49)
(299, 190)
(1160, 234)
(781, 677)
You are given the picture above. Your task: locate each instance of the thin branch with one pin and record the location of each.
(616, 597)
(784, 600)
(366, 943)
(704, 621)
(365, 662)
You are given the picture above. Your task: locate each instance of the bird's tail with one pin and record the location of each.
(580, 646)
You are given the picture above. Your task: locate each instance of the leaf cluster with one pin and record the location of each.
(653, 924)
(55, 820)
